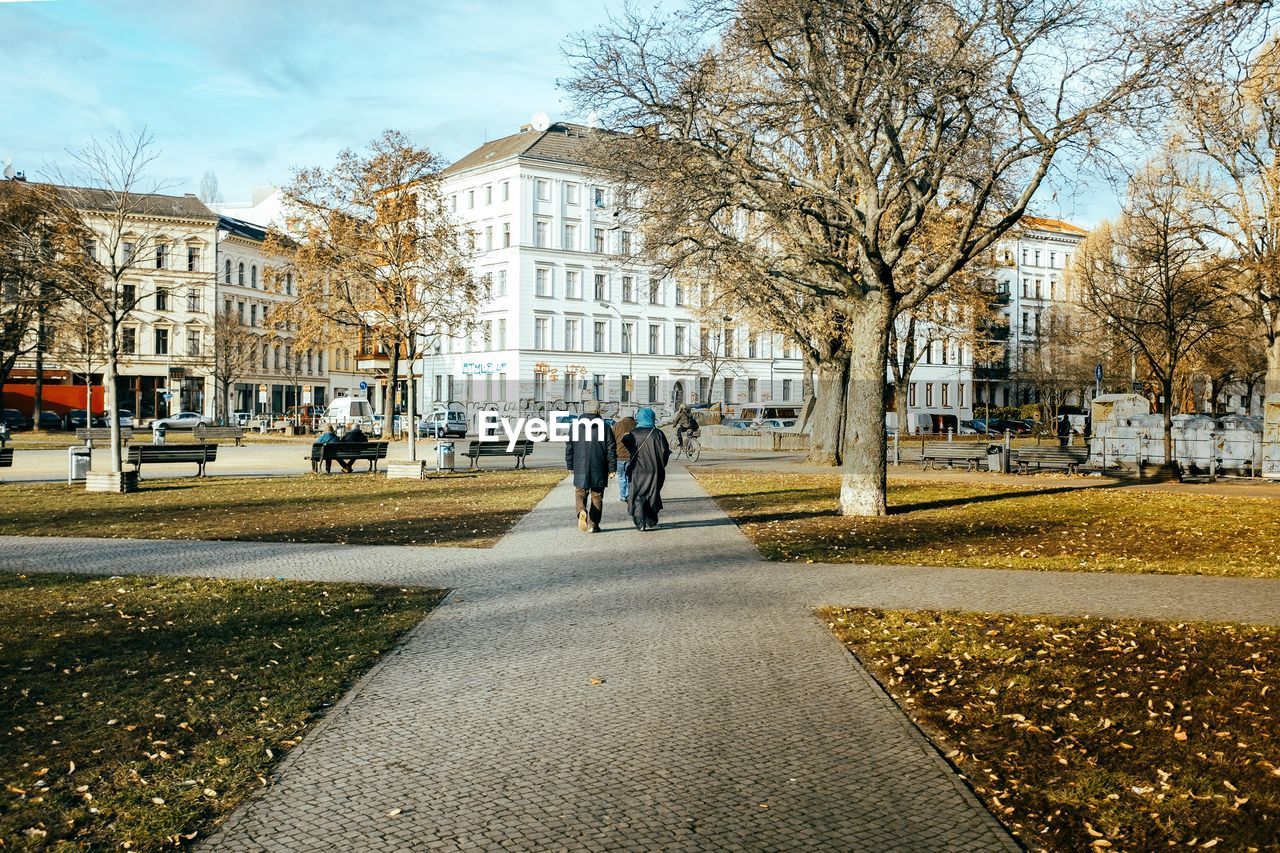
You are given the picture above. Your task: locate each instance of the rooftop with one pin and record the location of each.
(1040, 223)
(562, 142)
(138, 204)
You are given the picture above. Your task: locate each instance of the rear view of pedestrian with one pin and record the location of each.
(590, 453)
(646, 470)
(621, 427)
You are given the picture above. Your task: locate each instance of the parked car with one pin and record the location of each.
(241, 419)
(183, 420)
(443, 422)
(15, 420)
(125, 417)
(969, 428)
(50, 421)
(777, 423)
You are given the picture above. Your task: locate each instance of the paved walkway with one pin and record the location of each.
(728, 717)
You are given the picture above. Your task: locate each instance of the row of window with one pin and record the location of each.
(1032, 257)
(162, 256)
(944, 398)
(575, 387)
(252, 279)
(573, 287)
(718, 342)
(1035, 289)
(160, 342)
(485, 194)
(163, 299)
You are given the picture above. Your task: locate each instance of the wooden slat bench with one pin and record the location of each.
(167, 454)
(103, 434)
(336, 451)
(477, 449)
(6, 457)
(952, 452)
(1058, 458)
(203, 433)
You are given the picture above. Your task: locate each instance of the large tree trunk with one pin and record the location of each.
(38, 408)
(1166, 387)
(826, 438)
(1272, 384)
(900, 400)
(109, 381)
(862, 487)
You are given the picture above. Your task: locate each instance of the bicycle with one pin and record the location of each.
(692, 449)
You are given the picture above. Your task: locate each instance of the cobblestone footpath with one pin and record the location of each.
(726, 716)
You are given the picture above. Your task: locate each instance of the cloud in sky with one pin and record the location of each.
(250, 89)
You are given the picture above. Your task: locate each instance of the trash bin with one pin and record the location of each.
(444, 456)
(998, 458)
(157, 434)
(79, 461)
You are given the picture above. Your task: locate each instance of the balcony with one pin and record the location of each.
(991, 372)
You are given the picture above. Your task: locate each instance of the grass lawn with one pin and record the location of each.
(137, 712)
(1087, 733)
(460, 510)
(1061, 526)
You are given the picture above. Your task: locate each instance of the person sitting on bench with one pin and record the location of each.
(353, 435)
(327, 437)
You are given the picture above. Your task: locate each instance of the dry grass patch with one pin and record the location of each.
(1085, 733)
(138, 712)
(461, 510)
(1051, 525)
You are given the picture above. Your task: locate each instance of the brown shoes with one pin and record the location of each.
(582, 520)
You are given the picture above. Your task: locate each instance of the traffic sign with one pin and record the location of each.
(364, 386)
(1097, 372)
(167, 396)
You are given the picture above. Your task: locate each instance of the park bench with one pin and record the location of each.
(337, 452)
(951, 452)
(167, 454)
(103, 434)
(203, 433)
(6, 457)
(1060, 458)
(477, 449)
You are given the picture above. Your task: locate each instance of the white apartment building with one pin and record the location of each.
(571, 317)
(946, 383)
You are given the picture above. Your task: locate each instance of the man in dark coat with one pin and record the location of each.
(646, 470)
(591, 454)
(354, 435)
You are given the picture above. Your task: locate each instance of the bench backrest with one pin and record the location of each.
(6, 457)
(338, 450)
(951, 448)
(102, 433)
(1052, 453)
(220, 431)
(499, 448)
(139, 453)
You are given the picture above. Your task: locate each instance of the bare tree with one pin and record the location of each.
(1059, 363)
(209, 192)
(844, 129)
(1230, 113)
(1153, 280)
(233, 350)
(107, 207)
(81, 344)
(374, 248)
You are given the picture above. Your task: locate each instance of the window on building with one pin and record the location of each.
(597, 240)
(471, 199)
(751, 345)
(1039, 293)
(128, 296)
(626, 388)
(253, 315)
(571, 334)
(946, 395)
(597, 197)
(128, 341)
(240, 274)
(728, 343)
(506, 190)
(129, 249)
(1037, 256)
(704, 342)
(626, 242)
(786, 389)
(911, 393)
(628, 329)
(506, 235)
(193, 301)
(240, 312)
(488, 194)
(655, 339)
(540, 387)
(193, 342)
(162, 256)
(541, 230)
(571, 284)
(753, 388)
(679, 293)
(598, 335)
(542, 282)
(543, 190)
(681, 332)
(226, 272)
(541, 340)
(570, 237)
(193, 259)
(502, 283)
(655, 293)
(488, 238)
(602, 290)
(502, 334)
(288, 283)
(728, 389)
(653, 389)
(162, 299)
(597, 386)
(928, 394)
(628, 289)
(162, 341)
(570, 193)
(1026, 323)
(960, 394)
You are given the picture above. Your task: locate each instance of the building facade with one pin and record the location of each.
(571, 316)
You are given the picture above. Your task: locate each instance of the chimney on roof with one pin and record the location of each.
(189, 195)
(525, 128)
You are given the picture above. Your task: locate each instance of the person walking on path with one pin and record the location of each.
(646, 470)
(621, 427)
(591, 454)
(353, 435)
(327, 437)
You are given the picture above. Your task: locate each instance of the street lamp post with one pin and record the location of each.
(631, 377)
(772, 362)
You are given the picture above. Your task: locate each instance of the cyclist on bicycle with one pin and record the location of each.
(685, 423)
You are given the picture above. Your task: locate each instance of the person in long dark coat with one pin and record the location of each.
(591, 454)
(646, 470)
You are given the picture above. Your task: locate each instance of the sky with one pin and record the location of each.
(251, 89)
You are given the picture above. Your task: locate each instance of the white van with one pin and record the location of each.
(442, 423)
(350, 410)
